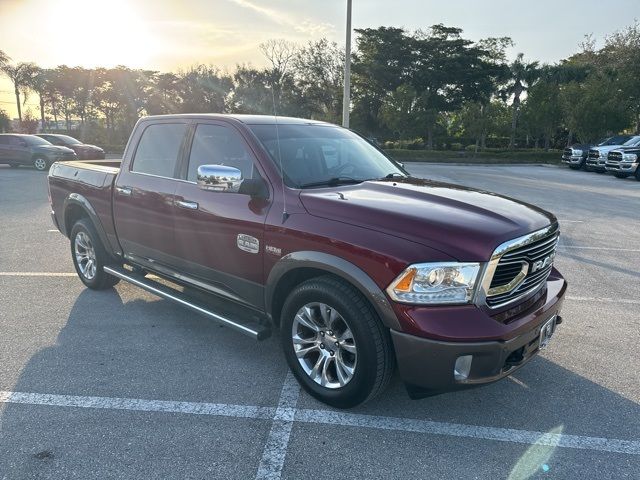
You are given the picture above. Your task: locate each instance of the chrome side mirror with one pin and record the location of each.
(219, 178)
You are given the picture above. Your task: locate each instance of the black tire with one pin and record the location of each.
(14, 165)
(99, 280)
(575, 167)
(620, 175)
(600, 171)
(41, 164)
(375, 357)
(637, 175)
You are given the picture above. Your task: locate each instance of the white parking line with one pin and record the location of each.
(275, 450)
(612, 249)
(37, 274)
(288, 414)
(627, 301)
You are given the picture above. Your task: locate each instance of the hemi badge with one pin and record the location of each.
(248, 243)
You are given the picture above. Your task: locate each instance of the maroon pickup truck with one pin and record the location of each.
(262, 223)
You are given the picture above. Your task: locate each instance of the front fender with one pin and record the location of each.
(336, 266)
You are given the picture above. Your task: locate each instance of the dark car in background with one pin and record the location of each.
(17, 149)
(576, 155)
(83, 151)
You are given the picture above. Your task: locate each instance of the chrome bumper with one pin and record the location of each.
(625, 167)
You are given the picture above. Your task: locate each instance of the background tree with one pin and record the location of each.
(522, 76)
(20, 75)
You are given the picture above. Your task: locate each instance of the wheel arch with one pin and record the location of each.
(297, 267)
(76, 207)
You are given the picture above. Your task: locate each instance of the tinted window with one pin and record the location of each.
(319, 153)
(33, 140)
(19, 141)
(632, 142)
(218, 145)
(158, 149)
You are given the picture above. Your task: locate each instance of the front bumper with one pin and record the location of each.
(596, 163)
(622, 167)
(573, 159)
(426, 365)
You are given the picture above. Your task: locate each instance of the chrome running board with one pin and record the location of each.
(255, 331)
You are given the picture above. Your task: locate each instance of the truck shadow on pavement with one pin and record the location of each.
(117, 344)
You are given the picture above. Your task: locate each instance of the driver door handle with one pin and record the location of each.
(186, 204)
(124, 191)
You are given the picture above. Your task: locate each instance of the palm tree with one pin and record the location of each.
(522, 76)
(20, 76)
(40, 82)
(4, 58)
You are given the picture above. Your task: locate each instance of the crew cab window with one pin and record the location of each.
(219, 145)
(158, 149)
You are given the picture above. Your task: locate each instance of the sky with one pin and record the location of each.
(174, 34)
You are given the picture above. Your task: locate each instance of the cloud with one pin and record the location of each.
(281, 18)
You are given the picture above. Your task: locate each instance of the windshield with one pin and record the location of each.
(617, 140)
(632, 142)
(320, 155)
(69, 140)
(33, 140)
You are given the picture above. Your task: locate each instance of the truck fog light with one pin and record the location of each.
(462, 367)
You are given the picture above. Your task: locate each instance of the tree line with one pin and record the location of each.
(410, 89)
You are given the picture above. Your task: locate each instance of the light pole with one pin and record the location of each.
(346, 97)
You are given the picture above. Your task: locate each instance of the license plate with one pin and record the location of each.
(546, 332)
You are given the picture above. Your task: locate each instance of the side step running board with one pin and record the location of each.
(256, 331)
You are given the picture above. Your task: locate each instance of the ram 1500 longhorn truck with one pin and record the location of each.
(576, 155)
(307, 228)
(598, 155)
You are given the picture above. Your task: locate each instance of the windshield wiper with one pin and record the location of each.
(332, 182)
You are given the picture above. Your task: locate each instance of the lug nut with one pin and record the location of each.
(322, 334)
(330, 333)
(332, 353)
(337, 344)
(322, 346)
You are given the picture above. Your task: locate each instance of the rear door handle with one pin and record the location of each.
(124, 191)
(187, 204)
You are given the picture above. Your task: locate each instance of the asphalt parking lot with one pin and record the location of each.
(121, 384)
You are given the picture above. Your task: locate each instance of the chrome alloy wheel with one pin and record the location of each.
(324, 345)
(40, 163)
(85, 255)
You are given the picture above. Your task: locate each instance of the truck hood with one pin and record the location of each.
(607, 148)
(461, 222)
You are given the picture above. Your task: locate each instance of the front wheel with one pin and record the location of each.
(335, 344)
(40, 164)
(89, 256)
(620, 175)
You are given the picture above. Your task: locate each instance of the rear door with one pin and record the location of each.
(4, 148)
(19, 151)
(219, 235)
(143, 197)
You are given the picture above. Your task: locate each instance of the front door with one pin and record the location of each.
(220, 236)
(143, 201)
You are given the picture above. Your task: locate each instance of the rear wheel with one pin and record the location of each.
(335, 344)
(40, 164)
(89, 256)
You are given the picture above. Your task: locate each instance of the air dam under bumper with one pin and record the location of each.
(427, 365)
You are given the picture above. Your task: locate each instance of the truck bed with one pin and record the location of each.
(86, 182)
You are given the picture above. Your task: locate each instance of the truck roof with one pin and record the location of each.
(247, 119)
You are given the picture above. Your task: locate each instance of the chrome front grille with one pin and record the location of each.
(520, 267)
(594, 154)
(568, 153)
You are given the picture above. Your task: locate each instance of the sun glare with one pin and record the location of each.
(100, 33)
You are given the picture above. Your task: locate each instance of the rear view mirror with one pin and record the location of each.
(219, 178)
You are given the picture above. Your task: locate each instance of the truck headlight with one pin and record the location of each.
(629, 157)
(435, 283)
(577, 152)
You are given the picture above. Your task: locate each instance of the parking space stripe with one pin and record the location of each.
(275, 450)
(626, 301)
(286, 414)
(469, 431)
(37, 274)
(611, 249)
(163, 406)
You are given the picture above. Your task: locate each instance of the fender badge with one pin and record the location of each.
(248, 243)
(273, 250)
